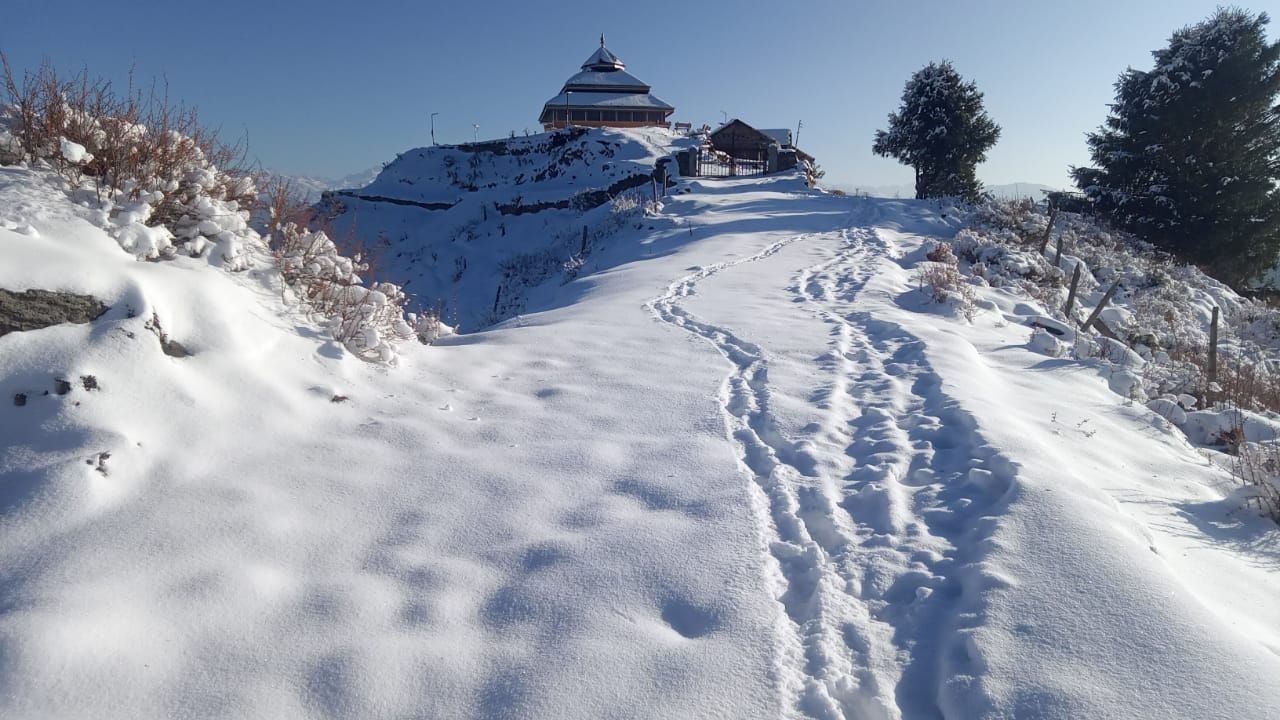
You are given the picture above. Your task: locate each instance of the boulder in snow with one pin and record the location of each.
(35, 309)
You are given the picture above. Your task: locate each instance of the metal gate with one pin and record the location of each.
(716, 164)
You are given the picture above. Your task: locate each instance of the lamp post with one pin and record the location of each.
(567, 93)
(433, 127)
(475, 133)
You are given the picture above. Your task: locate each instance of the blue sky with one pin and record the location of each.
(328, 88)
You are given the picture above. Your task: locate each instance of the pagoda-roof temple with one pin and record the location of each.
(603, 93)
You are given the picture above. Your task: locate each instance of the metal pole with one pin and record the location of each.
(475, 133)
(795, 142)
(567, 93)
(433, 127)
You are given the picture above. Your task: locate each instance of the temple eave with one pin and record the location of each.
(558, 124)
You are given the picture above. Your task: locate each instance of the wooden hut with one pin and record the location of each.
(743, 142)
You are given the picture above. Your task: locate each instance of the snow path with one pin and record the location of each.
(858, 558)
(938, 546)
(918, 480)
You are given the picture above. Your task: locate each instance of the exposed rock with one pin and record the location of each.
(173, 348)
(35, 309)
(170, 347)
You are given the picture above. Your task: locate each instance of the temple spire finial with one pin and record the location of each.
(601, 39)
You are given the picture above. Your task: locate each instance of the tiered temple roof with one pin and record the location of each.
(604, 94)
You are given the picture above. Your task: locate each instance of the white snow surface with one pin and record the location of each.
(744, 468)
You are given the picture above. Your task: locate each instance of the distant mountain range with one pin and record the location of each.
(1008, 191)
(313, 186)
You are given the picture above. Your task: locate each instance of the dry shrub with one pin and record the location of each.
(154, 154)
(368, 320)
(942, 253)
(284, 204)
(1255, 465)
(1248, 385)
(138, 144)
(1016, 219)
(1258, 468)
(940, 276)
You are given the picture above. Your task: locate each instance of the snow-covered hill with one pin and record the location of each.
(731, 463)
(485, 229)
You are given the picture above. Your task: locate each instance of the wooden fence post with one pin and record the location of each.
(1106, 298)
(1048, 230)
(1071, 295)
(1212, 370)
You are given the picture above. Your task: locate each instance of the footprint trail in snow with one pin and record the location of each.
(875, 513)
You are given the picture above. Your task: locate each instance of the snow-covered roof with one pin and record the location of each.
(608, 99)
(598, 80)
(602, 59)
(782, 135)
(604, 83)
(725, 125)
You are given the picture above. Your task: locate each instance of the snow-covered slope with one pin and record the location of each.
(739, 467)
(482, 230)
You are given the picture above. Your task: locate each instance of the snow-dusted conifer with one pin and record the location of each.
(1190, 155)
(942, 131)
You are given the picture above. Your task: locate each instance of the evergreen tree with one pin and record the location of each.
(942, 131)
(1190, 155)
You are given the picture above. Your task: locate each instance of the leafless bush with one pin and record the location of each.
(1256, 465)
(141, 148)
(1247, 385)
(941, 253)
(940, 276)
(1017, 219)
(367, 319)
(136, 145)
(283, 204)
